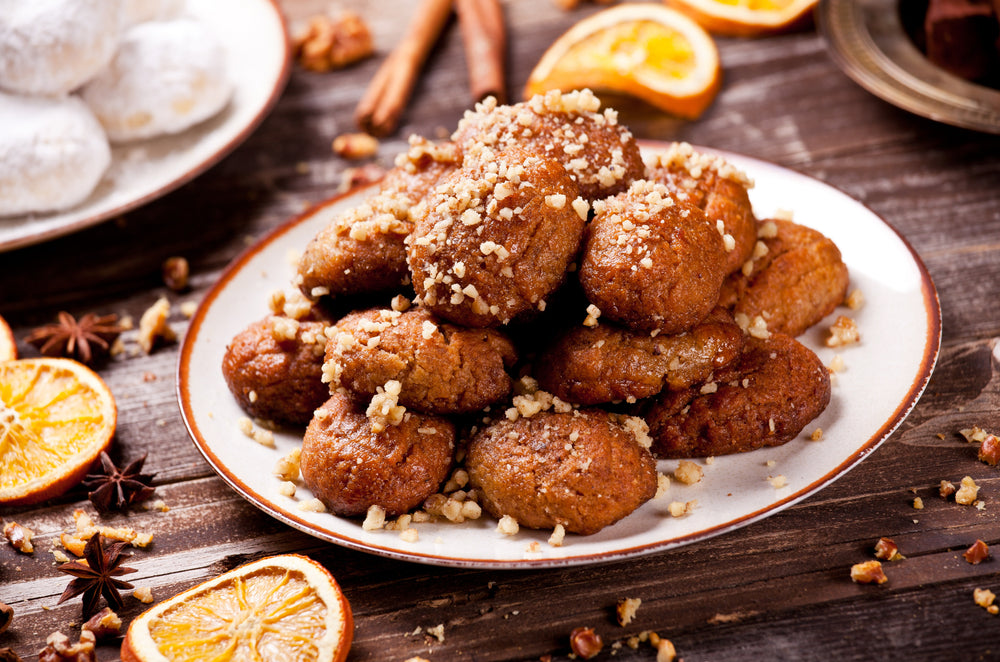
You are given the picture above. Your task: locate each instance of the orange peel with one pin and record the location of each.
(747, 18)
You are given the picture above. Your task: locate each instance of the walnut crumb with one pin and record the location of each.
(626, 610)
(688, 472)
(558, 536)
(967, 492)
(869, 572)
(19, 537)
(143, 594)
(977, 553)
(984, 598)
(355, 146)
(312, 506)
(817, 434)
(333, 43)
(918, 503)
(508, 526)
(887, 550)
(585, 643)
(153, 326)
(844, 331)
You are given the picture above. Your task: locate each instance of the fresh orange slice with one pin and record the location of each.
(747, 18)
(645, 50)
(8, 347)
(280, 608)
(56, 416)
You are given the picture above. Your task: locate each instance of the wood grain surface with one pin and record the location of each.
(775, 590)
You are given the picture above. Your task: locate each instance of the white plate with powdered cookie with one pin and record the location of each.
(153, 150)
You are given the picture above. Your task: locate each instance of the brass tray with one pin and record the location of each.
(867, 40)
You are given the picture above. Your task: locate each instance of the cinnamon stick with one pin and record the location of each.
(485, 40)
(385, 99)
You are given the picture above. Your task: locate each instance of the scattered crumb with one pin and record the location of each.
(153, 326)
(777, 482)
(355, 146)
(437, 632)
(918, 503)
(688, 472)
(312, 506)
(508, 526)
(189, 308)
(143, 594)
(887, 550)
(19, 537)
(977, 553)
(558, 536)
(626, 610)
(966, 494)
(409, 535)
(662, 485)
(286, 488)
(681, 508)
(869, 572)
(844, 331)
(855, 300)
(817, 434)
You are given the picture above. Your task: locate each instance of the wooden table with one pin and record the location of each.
(777, 589)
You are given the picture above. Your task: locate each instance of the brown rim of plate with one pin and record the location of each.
(866, 39)
(234, 142)
(932, 345)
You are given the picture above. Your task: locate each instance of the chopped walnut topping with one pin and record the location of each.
(662, 485)
(593, 312)
(626, 609)
(287, 468)
(681, 508)
(333, 43)
(966, 494)
(844, 331)
(946, 489)
(508, 526)
(887, 550)
(260, 435)
(286, 488)
(682, 155)
(855, 300)
(153, 325)
(19, 537)
(869, 572)
(384, 409)
(977, 553)
(918, 503)
(558, 536)
(312, 506)
(688, 472)
(777, 482)
(585, 642)
(817, 434)
(355, 146)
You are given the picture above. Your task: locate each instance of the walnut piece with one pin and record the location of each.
(59, 649)
(887, 550)
(946, 489)
(626, 609)
(105, 624)
(585, 642)
(869, 572)
(966, 494)
(333, 43)
(6, 616)
(153, 325)
(977, 553)
(175, 273)
(19, 537)
(844, 331)
(355, 146)
(989, 450)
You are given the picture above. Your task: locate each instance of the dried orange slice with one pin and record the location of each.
(56, 416)
(747, 18)
(645, 50)
(280, 608)
(8, 347)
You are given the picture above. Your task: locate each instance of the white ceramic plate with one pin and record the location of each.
(257, 56)
(884, 376)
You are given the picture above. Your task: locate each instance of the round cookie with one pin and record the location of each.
(274, 369)
(582, 470)
(350, 468)
(54, 153)
(600, 155)
(713, 185)
(52, 47)
(764, 398)
(650, 262)
(495, 237)
(166, 77)
(442, 368)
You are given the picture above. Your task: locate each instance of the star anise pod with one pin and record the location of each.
(96, 577)
(91, 336)
(117, 489)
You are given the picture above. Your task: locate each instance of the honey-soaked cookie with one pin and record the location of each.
(715, 186)
(274, 369)
(362, 249)
(350, 466)
(650, 262)
(599, 154)
(442, 368)
(609, 363)
(584, 470)
(495, 237)
(797, 279)
(764, 398)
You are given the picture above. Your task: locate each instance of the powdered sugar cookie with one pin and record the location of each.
(51, 47)
(54, 153)
(140, 11)
(167, 76)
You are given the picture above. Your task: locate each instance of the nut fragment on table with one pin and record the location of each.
(6, 616)
(887, 550)
(977, 553)
(844, 331)
(153, 325)
(355, 146)
(984, 598)
(175, 273)
(59, 649)
(19, 537)
(989, 450)
(585, 642)
(333, 43)
(105, 624)
(869, 572)
(966, 494)
(626, 609)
